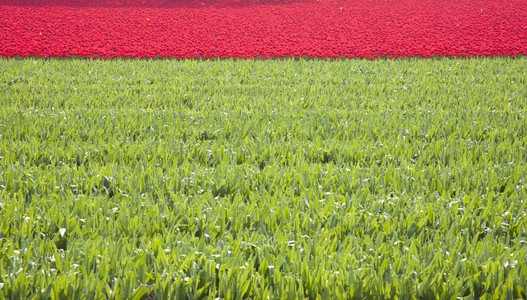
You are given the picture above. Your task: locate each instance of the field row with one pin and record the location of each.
(263, 29)
(251, 179)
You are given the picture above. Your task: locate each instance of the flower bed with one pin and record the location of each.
(264, 29)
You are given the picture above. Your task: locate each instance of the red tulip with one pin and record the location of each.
(242, 29)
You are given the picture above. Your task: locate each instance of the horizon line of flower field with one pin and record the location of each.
(263, 29)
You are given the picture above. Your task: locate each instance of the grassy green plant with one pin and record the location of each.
(255, 179)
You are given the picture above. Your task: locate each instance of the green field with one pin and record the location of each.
(263, 179)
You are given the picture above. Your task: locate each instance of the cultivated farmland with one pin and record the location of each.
(263, 179)
(263, 28)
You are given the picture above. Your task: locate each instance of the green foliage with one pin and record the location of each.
(130, 179)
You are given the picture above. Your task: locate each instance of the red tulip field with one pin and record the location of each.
(263, 29)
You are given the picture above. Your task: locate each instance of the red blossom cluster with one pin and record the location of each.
(262, 29)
